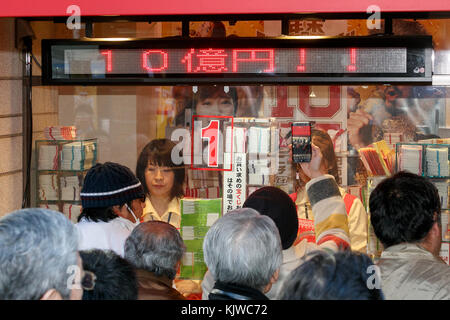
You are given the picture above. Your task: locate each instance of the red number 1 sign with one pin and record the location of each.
(211, 134)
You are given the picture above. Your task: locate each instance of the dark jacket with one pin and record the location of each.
(151, 287)
(227, 291)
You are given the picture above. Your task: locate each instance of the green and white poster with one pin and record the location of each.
(197, 216)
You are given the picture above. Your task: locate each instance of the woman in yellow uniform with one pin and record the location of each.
(162, 181)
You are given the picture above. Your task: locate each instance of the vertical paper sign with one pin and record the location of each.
(235, 182)
(240, 161)
(197, 216)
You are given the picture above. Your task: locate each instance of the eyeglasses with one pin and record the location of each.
(88, 280)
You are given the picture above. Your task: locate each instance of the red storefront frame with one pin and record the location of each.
(57, 8)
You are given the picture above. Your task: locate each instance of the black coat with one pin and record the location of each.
(228, 291)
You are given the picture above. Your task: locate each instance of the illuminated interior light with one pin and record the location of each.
(116, 39)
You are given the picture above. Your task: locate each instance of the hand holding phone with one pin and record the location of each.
(313, 169)
(301, 142)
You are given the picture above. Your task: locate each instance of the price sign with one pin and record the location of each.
(241, 60)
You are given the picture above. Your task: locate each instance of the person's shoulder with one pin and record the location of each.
(175, 205)
(117, 225)
(347, 195)
(86, 224)
(443, 268)
(414, 264)
(352, 202)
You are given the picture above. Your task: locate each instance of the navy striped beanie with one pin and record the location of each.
(110, 184)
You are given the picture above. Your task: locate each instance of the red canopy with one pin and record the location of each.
(49, 8)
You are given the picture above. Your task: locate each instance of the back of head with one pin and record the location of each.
(326, 276)
(107, 185)
(158, 152)
(37, 247)
(114, 276)
(244, 248)
(403, 208)
(276, 204)
(155, 246)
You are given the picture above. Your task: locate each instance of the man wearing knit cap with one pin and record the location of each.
(331, 226)
(113, 201)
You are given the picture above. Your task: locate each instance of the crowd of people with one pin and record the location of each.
(127, 244)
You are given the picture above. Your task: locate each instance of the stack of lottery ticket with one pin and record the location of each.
(72, 211)
(259, 140)
(206, 193)
(437, 161)
(442, 187)
(48, 187)
(202, 179)
(258, 172)
(392, 138)
(53, 207)
(238, 137)
(436, 141)
(78, 155)
(70, 188)
(48, 157)
(60, 133)
(410, 158)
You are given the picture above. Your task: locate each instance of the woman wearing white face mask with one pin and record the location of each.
(113, 201)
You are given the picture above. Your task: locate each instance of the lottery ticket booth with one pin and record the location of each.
(225, 84)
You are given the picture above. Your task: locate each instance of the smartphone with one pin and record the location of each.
(301, 142)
